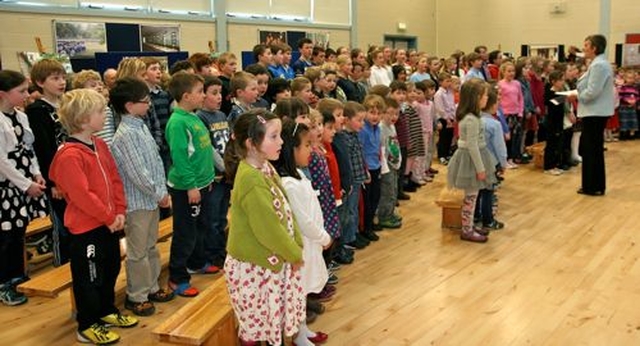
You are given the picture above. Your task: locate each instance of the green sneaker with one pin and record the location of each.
(97, 334)
(9, 296)
(390, 223)
(119, 320)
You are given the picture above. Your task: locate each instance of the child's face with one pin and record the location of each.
(54, 85)
(93, 84)
(263, 83)
(249, 94)
(356, 73)
(373, 116)
(321, 82)
(509, 72)
(422, 65)
(153, 74)
(386, 52)
(402, 76)
(195, 97)
(361, 58)
(401, 56)
(559, 84)
(213, 98)
(399, 95)
(338, 115)
(391, 115)
(229, 68)
(419, 95)
(446, 83)
(17, 95)
(477, 63)
(139, 108)
(317, 129)
(379, 59)
(305, 94)
(277, 58)
(430, 93)
(482, 101)
(318, 59)
(330, 58)
(266, 57)
(302, 153)
(330, 83)
(285, 94)
(630, 77)
(303, 119)
(493, 109)
(272, 143)
(286, 58)
(306, 50)
(357, 122)
(434, 66)
(328, 132)
(96, 120)
(347, 68)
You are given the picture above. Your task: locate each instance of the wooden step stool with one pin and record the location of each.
(450, 200)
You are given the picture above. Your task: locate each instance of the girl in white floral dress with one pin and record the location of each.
(264, 248)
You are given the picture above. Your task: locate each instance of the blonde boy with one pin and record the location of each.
(85, 170)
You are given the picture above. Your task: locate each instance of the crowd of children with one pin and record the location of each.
(309, 159)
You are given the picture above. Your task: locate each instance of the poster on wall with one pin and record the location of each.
(547, 51)
(27, 59)
(631, 55)
(160, 38)
(320, 39)
(271, 37)
(79, 38)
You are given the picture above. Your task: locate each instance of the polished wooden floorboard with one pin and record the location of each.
(564, 271)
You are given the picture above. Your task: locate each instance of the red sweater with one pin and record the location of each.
(90, 183)
(334, 171)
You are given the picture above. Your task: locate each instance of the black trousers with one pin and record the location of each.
(95, 264)
(371, 194)
(11, 254)
(592, 152)
(403, 166)
(444, 141)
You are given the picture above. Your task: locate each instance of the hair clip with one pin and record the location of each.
(261, 119)
(295, 129)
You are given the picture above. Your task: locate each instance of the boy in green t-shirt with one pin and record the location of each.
(190, 184)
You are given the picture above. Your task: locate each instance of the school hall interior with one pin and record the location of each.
(564, 270)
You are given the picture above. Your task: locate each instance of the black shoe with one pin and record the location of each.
(590, 193)
(377, 227)
(409, 188)
(363, 240)
(403, 196)
(343, 258)
(371, 236)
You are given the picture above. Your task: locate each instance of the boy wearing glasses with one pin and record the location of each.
(142, 174)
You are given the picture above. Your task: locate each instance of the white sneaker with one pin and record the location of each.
(553, 171)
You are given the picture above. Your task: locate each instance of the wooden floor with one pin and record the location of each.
(564, 271)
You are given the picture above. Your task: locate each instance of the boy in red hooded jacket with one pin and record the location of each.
(86, 173)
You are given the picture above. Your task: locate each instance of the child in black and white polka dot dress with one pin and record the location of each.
(21, 184)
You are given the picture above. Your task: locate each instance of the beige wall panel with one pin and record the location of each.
(508, 24)
(242, 37)
(379, 17)
(19, 29)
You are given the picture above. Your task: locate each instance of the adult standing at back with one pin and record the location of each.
(595, 105)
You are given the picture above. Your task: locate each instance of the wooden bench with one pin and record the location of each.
(450, 200)
(38, 225)
(51, 283)
(207, 319)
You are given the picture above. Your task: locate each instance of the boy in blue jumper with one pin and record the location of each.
(215, 243)
(370, 140)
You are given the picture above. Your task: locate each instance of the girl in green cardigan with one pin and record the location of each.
(264, 248)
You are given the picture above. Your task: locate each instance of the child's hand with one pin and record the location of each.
(117, 224)
(165, 202)
(56, 193)
(482, 176)
(35, 190)
(194, 196)
(40, 180)
(572, 118)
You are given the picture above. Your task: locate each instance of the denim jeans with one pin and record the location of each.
(352, 213)
(215, 243)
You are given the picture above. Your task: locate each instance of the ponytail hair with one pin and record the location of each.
(252, 126)
(10, 79)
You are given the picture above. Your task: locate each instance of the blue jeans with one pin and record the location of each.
(191, 223)
(215, 243)
(350, 227)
